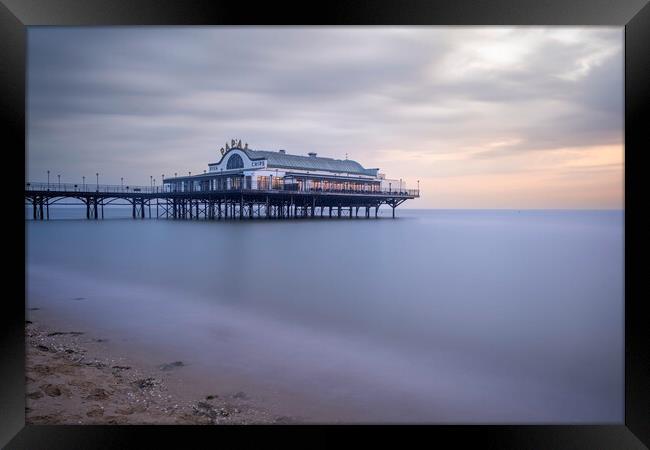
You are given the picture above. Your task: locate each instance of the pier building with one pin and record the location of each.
(240, 167)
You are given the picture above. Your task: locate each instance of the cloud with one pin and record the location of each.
(132, 101)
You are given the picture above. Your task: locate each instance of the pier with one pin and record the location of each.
(243, 184)
(220, 203)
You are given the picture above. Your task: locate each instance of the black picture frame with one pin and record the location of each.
(634, 15)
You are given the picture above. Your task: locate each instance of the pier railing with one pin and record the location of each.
(88, 188)
(91, 188)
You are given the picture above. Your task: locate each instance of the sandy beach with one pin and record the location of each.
(71, 379)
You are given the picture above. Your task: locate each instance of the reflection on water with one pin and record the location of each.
(437, 316)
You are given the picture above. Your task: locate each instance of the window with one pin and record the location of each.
(262, 182)
(235, 162)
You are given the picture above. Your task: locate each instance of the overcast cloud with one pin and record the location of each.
(523, 117)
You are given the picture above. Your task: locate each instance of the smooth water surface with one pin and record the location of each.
(436, 316)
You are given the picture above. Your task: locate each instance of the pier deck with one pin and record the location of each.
(213, 204)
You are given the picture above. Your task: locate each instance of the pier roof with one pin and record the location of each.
(282, 160)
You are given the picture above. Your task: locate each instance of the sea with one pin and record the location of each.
(436, 316)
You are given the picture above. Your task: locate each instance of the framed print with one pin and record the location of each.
(244, 220)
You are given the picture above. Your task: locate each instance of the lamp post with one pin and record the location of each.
(151, 182)
(84, 181)
(121, 183)
(390, 188)
(48, 180)
(59, 177)
(400, 185)
(418, 187)
(97, 175)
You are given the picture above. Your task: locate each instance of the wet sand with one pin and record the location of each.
(71, 379)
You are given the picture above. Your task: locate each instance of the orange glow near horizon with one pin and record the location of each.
(585, 178)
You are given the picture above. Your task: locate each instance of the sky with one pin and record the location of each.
(483, 117)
